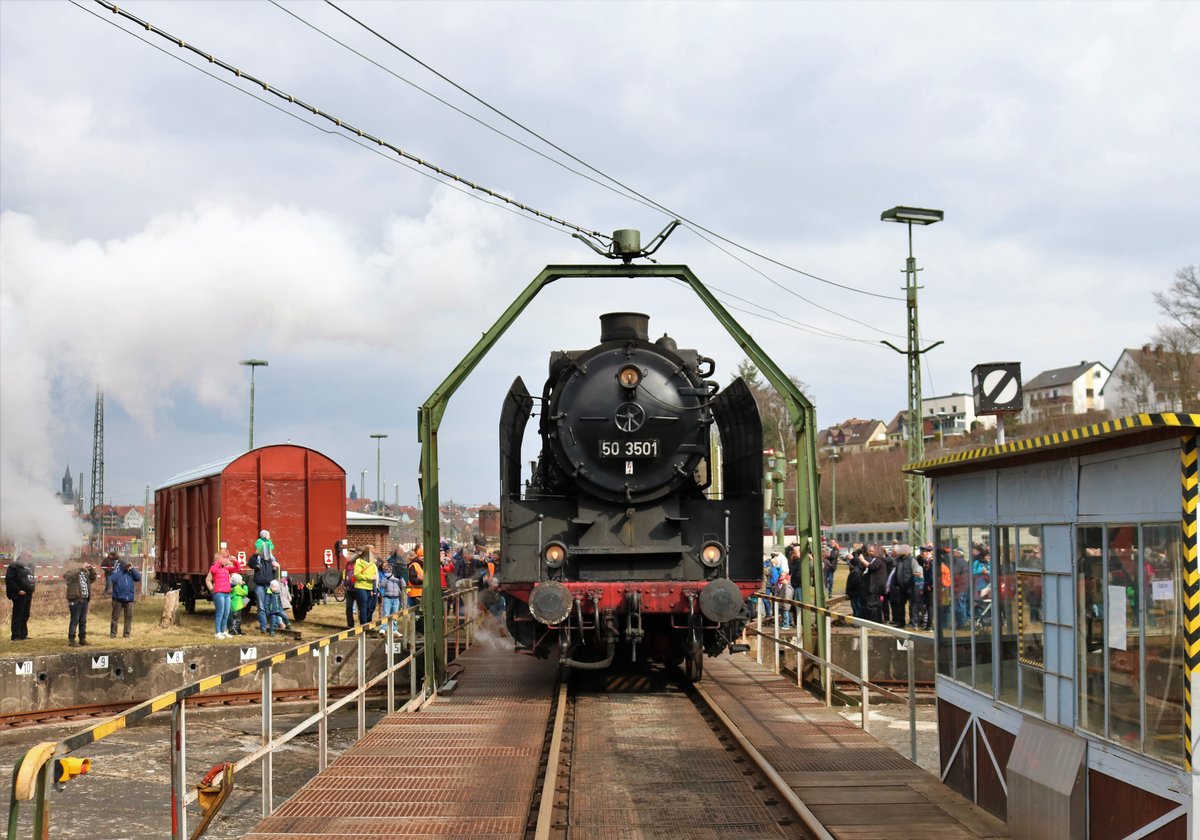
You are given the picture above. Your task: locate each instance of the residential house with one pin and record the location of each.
(1151, 379)
(109, 516)
(134, 517)
(1067, 390)
(952, 415)
(853, 435)
(355, 505)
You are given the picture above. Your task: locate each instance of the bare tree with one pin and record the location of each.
(1175, 347)
(777, 423)
(870, 487)
(1181, 301)
(1136, 391)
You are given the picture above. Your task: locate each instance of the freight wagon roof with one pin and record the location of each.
(1123, 431)
(215, 468)
(218, 467)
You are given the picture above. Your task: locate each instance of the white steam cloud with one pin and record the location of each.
(179, 302)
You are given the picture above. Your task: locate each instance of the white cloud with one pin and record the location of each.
(158, 226)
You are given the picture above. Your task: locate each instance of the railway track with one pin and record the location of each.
(661, 763)
(66, 714)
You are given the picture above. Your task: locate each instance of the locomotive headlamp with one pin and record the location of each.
(629, 376)
(712, 554)
(554, 554)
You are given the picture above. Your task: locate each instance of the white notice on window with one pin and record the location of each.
(1163, 590)
(1116, 618)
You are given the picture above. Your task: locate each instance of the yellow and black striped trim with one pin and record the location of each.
(1191, 583)
(1121, 425)
(170, 698)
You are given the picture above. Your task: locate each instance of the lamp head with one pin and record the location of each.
(912, 215)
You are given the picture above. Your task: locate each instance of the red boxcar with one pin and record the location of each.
(296, 493)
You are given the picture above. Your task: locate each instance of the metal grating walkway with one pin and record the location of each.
(859, 788)
(437, 772)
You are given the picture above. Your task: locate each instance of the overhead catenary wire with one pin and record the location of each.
(624, 194)
(331, 132)
(777, 318)
(784, 320)
(349, 128)
(458, 110)
(792, 291)
(353, 134)
(684, 219)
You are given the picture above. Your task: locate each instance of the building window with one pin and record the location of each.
(1130, 639)
(962, 590)
(1018, 610)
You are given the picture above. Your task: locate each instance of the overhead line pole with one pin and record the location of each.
(917, 523)
(252, 364)
(378, 472)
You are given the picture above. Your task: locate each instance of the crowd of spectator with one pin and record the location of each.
(885, 584)
(375, 587)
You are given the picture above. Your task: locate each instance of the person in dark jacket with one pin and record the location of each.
(885, 604)
(79, 577)
(876, 572)
(829, 566)
(19, 583)
(902, 583)
(265, 570)
(793, 562)
(923, 588)
(120, 583)
(856, 584)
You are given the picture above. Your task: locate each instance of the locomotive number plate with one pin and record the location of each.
(629, 448)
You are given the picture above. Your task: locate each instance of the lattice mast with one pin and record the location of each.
(97, 498)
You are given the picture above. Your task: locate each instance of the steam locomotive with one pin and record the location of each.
(620, 545)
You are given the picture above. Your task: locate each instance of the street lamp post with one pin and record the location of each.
(833, 459)
(774, 482)
(916, 439)
(252, 364)
(378, 467)
(362, 486)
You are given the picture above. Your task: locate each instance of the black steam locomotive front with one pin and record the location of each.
(618, 538)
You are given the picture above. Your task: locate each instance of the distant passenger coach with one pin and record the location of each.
(296, 493)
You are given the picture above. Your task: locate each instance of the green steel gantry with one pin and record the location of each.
(800, 410)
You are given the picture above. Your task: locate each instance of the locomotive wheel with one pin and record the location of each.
(693, 664)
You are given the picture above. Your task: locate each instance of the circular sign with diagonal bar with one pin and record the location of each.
(996, 387)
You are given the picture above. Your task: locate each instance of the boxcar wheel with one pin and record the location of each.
(302, 604)
(187, 597)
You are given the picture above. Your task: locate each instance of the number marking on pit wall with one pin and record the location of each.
(174, 657)
(25, 669)
(99, 663)
(249, 653)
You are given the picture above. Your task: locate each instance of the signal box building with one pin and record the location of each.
(1067, 601)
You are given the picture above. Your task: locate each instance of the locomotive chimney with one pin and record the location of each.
(624, 326)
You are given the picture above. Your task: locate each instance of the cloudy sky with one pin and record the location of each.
(159, 224)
